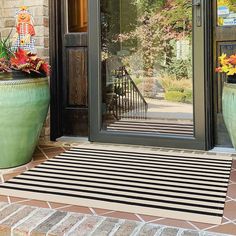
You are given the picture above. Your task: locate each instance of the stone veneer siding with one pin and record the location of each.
(39, 11)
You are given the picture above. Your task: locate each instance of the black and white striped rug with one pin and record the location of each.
(148, 126)
(182, 186)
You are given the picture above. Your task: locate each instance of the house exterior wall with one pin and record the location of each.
(39, 11)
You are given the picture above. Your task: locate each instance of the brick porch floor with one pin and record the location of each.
(49, 150)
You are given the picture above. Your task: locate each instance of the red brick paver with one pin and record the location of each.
(44, 152)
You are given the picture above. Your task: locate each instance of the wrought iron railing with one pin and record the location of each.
(125, 99)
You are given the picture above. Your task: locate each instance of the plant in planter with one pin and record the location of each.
(228, 68)
(24, 102)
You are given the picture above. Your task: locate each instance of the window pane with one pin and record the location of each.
(147, 66)
(77, 15)
(226, 11)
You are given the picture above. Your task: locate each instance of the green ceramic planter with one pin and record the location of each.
(229, 110)
(23, 109)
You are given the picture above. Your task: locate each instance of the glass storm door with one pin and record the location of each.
(146, 69)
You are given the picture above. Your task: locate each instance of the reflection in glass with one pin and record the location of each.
(77, 15)
(226, 11)
(147, 66)
(221, 134)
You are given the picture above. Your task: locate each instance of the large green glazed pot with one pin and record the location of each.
(229, 110)
(23, 109)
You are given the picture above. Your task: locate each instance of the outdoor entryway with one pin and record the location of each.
(151, 70)
(147, 72)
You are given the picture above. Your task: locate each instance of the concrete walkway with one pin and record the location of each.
(161, 109)
(19, 220)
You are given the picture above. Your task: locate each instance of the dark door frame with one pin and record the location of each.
(58, 62)
(55, 41)
(203, 106)
(56, 76)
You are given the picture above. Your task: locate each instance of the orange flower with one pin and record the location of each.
(232, 59)
(227, 64)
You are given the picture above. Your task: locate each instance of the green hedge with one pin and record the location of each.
(188, 96)
(177, 96)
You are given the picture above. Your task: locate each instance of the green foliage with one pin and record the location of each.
(177, 96)
(5, 54)
(159, 25)
(177, 90)
(171, 83)
(5, 48)
(180, 68)
(178, 15)
(188, 96)
(148, 5)
(173, 88)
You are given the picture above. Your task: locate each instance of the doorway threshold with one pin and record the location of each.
(73, 139)
(223, 150)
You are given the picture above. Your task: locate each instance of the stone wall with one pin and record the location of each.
(39, 11)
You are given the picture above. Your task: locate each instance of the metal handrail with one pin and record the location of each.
(136, 88)
(127, 102)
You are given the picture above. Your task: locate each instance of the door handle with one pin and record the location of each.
(197, 4)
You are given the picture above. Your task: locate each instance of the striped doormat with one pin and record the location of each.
(181, 186)
(148, 126)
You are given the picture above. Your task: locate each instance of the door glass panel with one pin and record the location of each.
(77, 15)
(226, 11)
(146, 53)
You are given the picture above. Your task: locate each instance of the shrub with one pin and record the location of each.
(175, 96)
(188, 96)
(171, 83)
(180, 68)
(176, 90)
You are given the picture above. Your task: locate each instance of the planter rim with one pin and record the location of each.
(230, 85)
(23, 81)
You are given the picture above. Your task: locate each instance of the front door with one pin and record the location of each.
(147, 72)
(74, 101)
(74, 41)
(68, 54)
